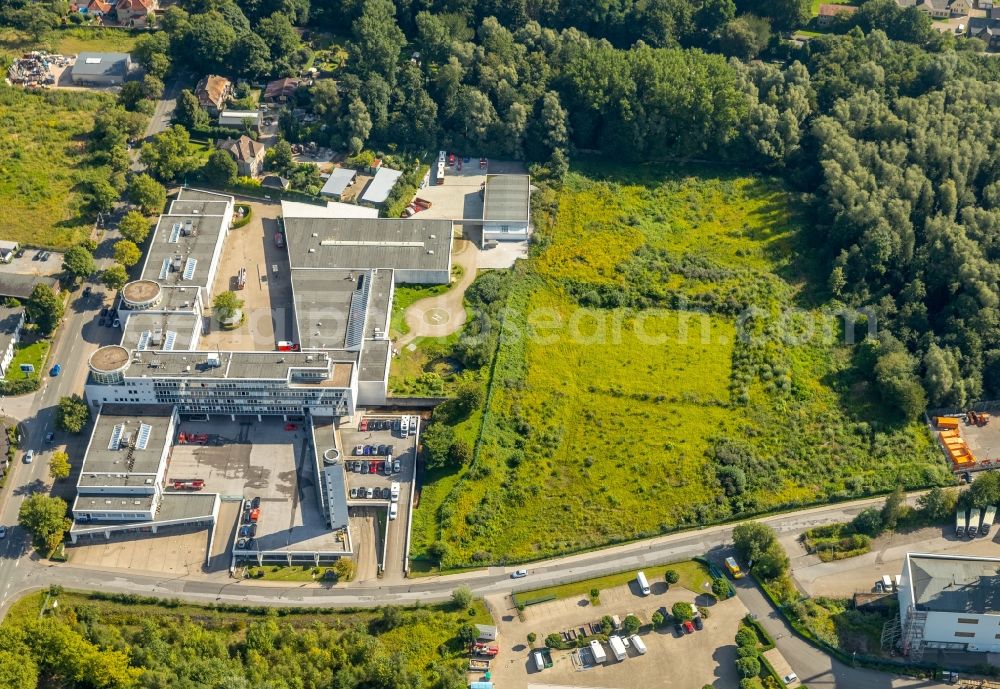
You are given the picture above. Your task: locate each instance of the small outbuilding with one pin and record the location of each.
(274, 182)
(101, 69)
(487, 632)
(240, 119)
(382, 183)
(340, 179)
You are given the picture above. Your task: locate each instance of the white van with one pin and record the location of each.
(638, 644)
(394, 491)
(404, 426)
(414, 421)
(643, 584)
(393, 510)
(539, 661)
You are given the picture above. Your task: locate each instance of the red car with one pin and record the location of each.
(688, 627)
(255, 514)
(372, 467)
(363, 426)
(451, 159)
(279, 240)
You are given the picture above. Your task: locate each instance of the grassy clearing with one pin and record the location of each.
(96, 39)
(404, 296)
(44, 165)
(694, 576)
(633, 396)
(298, 573)
(35, 354)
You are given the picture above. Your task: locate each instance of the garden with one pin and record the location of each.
(668, 360)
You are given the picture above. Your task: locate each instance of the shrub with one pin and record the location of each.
(720, 587)
(682, 611)
(658, 619)
(745, 636)
(671, 576)
(631, 624)
(532, 637)
(461, 597)
(748, 667)
(554, 641)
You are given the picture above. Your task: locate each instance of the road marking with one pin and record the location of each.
(17, 563)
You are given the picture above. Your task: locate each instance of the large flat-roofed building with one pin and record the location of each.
(949, 602)
(187, 241)
(101, 69)
(506, 207)
(417, 251)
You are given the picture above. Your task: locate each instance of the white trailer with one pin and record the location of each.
(617, 647)
(991, 513)
(638, 644)
(599, 655)
(972, 527)
(960, 520)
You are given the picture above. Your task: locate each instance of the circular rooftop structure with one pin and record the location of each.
(110, 359)
(141, 294)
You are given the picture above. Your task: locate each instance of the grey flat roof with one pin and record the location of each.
(175, 298)
(122, 502)
(374, 360)
(340, 179)
(142, 325)
(380, 186)
(955, 584)
(240, 365)
(173, 507)
(195, 206)
(20, 286)
(188, 194)
(101, 64)
(362, 243)
(197, 239)
(127, 419)
(337, 309)
(507, 197)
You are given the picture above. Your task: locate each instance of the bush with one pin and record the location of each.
(554, 641)
(671, 576)
(682, 611)
(631, 624)
(720, 587)
(532, 637)
(746, 636)
(461, 597)
(748, 667)
(658, 619)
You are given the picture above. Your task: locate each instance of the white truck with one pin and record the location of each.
(991, 513)
(617, 647)
(638, 644)
(599, 655)
(960, 521)
(394, 491)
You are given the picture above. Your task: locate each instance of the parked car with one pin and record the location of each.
(390, 449)
(393, 510)
(29, 456)
(254, 514)
(371, 493)
(364, 467)
(698, 624)
(55, 370)
(386, 467)
(358, 467)
(790, 678)
(354, 493)
(359, 449)
(519, 574)
(255, 503)
(381, 449)
(50, 436)
(372, 467)
(688, 627)
(104, 312)
(241, 544)
(87, 291)
(678, 629)
(368, 450)
(245, 530)
(363, 426)
(395, 467)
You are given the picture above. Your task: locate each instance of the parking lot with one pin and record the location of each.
(259, 459)
(267, 295)
(30, 262)
(403, 450)
(686, 661)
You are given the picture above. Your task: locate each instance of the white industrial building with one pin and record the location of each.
(344, 268)
(506, 208)
(949, 602)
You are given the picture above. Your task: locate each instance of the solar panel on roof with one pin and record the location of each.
(143, 340)
(168, 344)
(116, 436)
(143, 439)
(189, 267)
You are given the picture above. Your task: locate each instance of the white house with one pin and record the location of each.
(949, 602)
(506, 208)
(11, 322)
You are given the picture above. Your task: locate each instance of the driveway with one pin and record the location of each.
(444, 314)
(815, 668)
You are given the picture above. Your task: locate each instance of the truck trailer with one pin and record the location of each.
(961, 519)
(988, 517)
(598, 650)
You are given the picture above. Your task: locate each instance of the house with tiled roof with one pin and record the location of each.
(135, 12)
(248, 154)
(827, 13)
(280, 90)
(213, 93)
